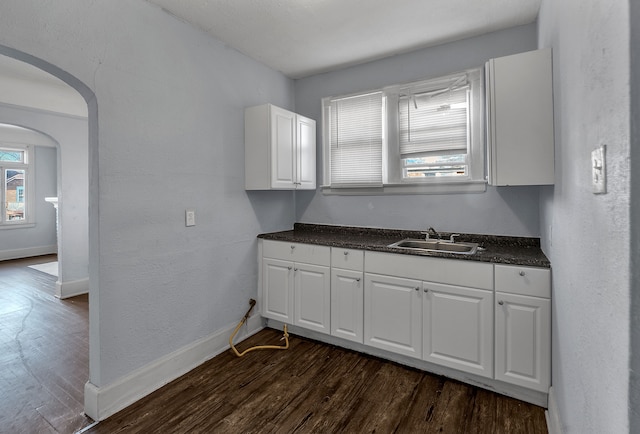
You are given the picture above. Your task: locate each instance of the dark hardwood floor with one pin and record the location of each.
(44, 352)
(318, 388)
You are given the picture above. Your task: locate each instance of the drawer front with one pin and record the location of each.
(449, 271)
(296, 252)
(532, 281)
(347, 259)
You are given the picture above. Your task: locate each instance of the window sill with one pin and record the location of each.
(406, 189)
(17, 226)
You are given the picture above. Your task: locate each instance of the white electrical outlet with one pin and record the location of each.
(599, 170)
(190, 217)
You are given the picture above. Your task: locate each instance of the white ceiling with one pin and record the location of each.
(306, 37)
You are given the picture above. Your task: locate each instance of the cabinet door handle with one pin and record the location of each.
(346, 253)
(426, 290)
(289, 268)
(295, 269)
(293, 247)
(358, 279)
(500, 302)
(417, 288)
(522, 273)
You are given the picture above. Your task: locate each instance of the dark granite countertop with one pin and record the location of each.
(495, 249)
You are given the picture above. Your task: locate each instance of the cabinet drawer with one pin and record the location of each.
(347, 259)
(296, 252)
(531, 281)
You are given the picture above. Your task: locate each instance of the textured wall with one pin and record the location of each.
(170, 109)
(634, 371)
(586, 236)
(504, 211)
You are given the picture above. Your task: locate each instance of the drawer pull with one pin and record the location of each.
(358, 279)
(293, 247)
(417, 288)
(522, 273)
(500, 302)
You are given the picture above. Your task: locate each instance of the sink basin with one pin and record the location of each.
(437, 246)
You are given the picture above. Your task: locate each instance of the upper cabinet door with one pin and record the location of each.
(279, 149)
(306, 153)
(520, 119)
(283, 144)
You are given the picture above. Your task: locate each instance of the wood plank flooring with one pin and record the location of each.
(44, 352)
(319, 388)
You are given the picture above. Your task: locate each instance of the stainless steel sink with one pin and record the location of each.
(442, 246)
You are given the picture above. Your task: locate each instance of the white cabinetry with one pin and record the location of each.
(523, 326)
(296, 284)
(520, 119)
(458, 327)
(423, 307)
(280, 149)
(393, 314)
(347, 296)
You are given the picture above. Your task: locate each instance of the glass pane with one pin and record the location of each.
(12, 156)
(435, 166)
(15, 194)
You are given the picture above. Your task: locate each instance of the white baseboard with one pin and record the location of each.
(552, 415)
(102, 402)
(72, 288)
(6, 255)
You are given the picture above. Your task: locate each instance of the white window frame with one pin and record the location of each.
(393, 182)
(29, 185)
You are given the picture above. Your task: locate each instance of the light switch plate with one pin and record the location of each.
(599, 170)
(190, 217)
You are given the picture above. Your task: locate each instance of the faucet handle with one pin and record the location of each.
(452, 238)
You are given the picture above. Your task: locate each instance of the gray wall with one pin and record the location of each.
(170, 109)
(586, 236)
(634, 371)
(504, 211)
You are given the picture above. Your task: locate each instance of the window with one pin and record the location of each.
(412, 138)
(15, 171)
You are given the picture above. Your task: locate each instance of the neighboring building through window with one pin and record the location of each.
(15, 169)
(407, 138)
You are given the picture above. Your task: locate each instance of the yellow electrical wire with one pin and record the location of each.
(285, 336)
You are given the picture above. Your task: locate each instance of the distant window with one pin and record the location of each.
(15, 169)
(410, 136)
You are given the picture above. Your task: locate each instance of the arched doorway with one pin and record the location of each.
(71, 189)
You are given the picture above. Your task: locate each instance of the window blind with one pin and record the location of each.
(435, 121)
(356, 141)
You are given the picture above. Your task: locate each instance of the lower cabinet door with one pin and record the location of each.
(458, 328)
(393, 314)
(523, 341)
(312, 297)
(277, 290)
(347, 298)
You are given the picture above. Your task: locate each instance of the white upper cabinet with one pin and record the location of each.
(280, 149)
(520, 137)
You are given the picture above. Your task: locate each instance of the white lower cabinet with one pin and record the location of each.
(277, 289)
(458, 328)
(297, 291)
(492, 321)
(312, 297)
(347, 309)
(523, 326)
(393, 314)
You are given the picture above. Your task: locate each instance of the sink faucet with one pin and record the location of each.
(431, 231)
